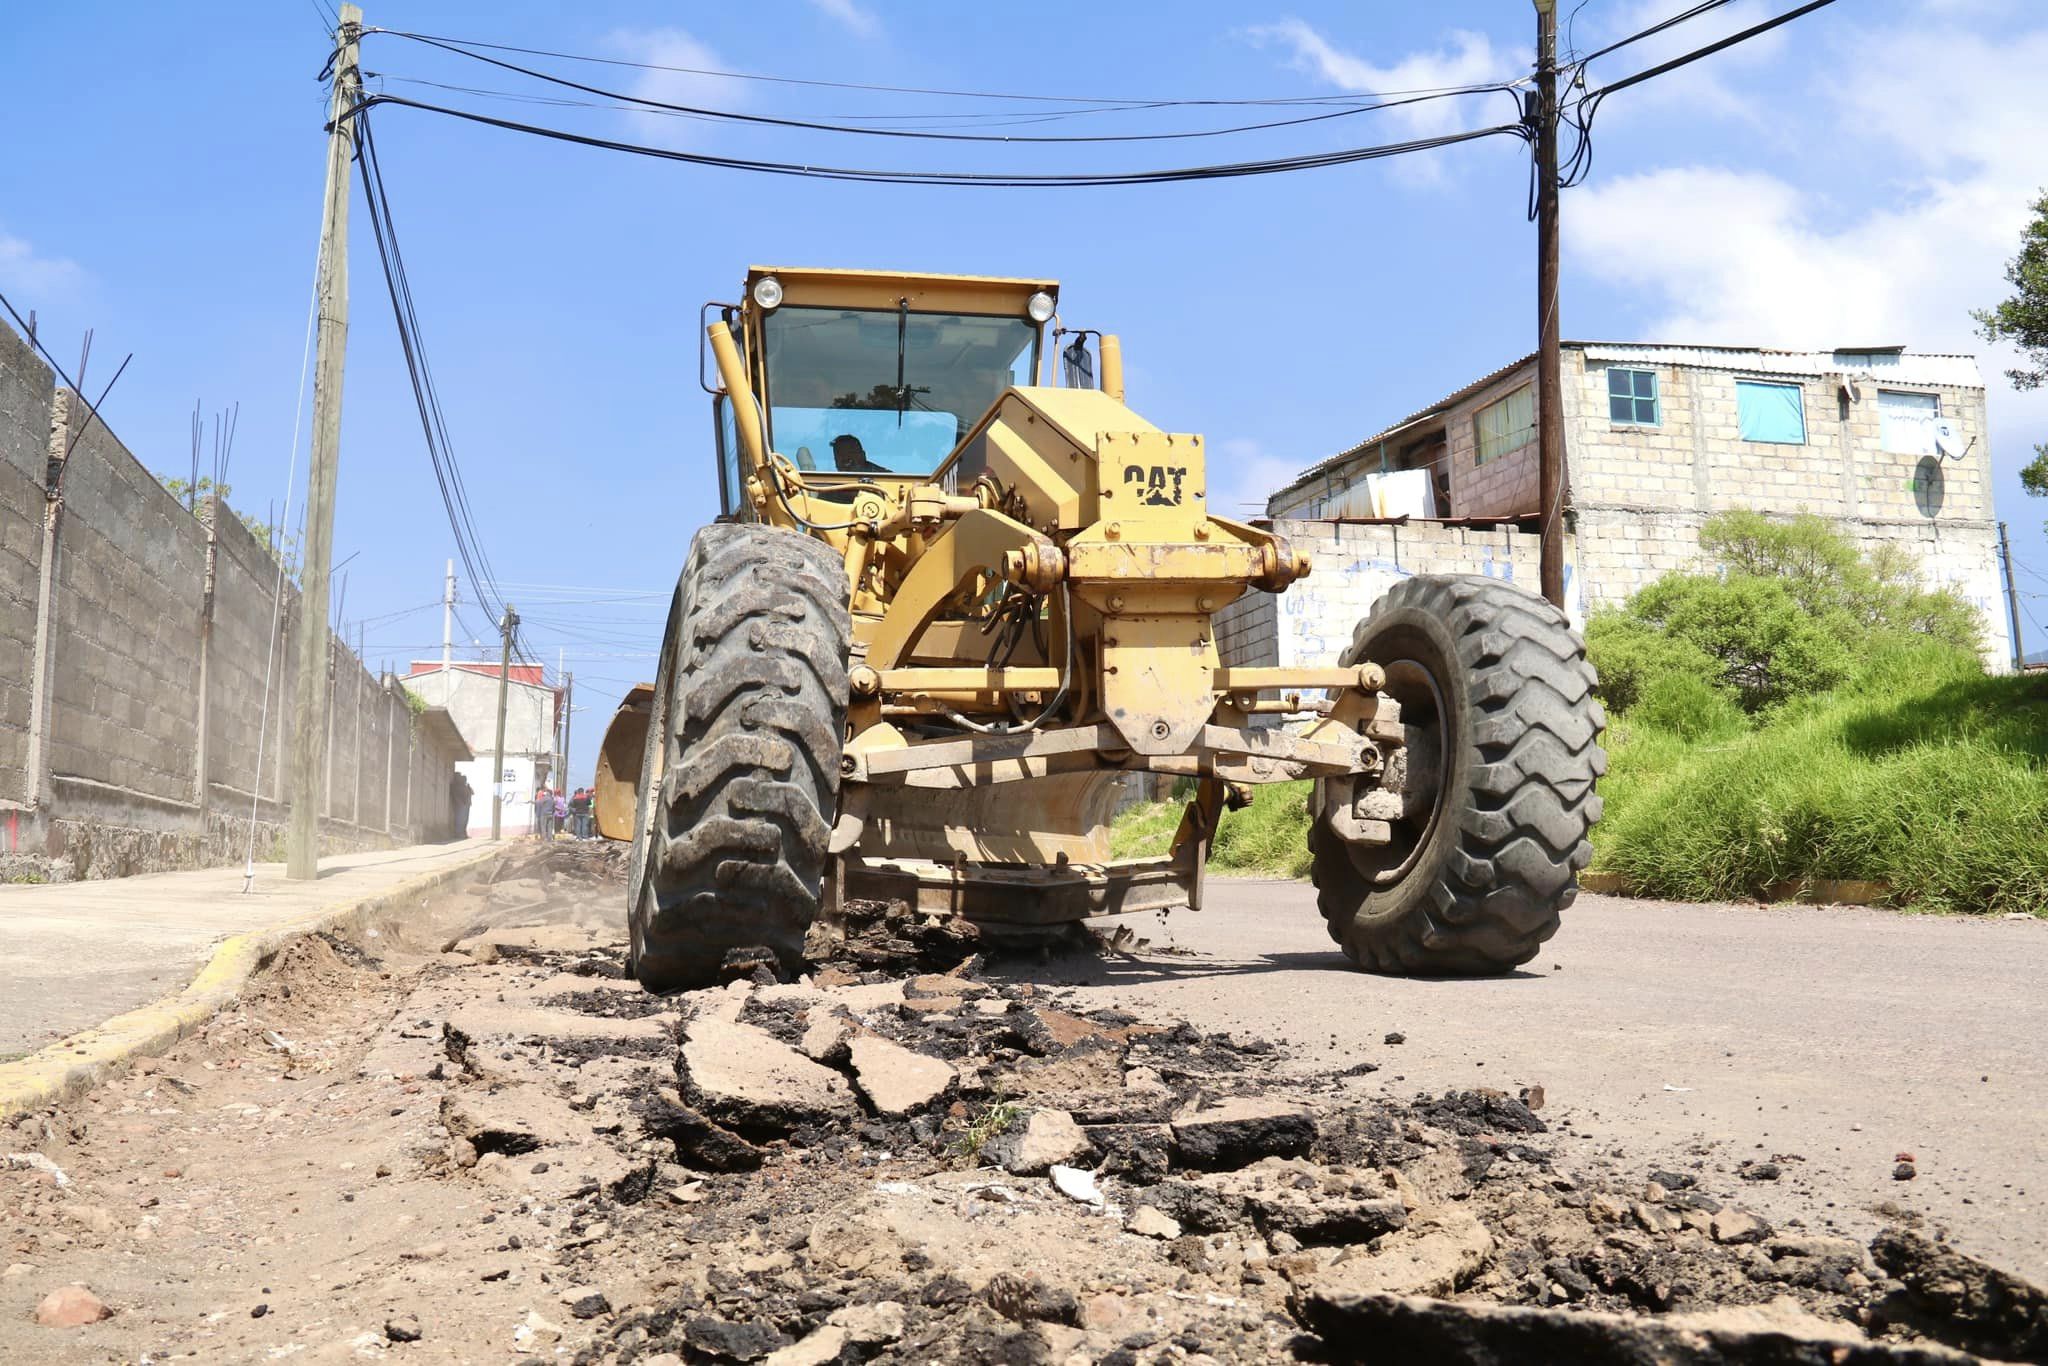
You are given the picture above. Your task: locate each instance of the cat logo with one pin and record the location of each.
(1159, 486)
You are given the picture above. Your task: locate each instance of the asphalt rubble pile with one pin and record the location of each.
(886, 1161)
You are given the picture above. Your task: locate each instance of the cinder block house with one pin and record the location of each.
(468, 689)
(1889, 444)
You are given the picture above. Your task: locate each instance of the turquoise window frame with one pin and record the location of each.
(1636, 396)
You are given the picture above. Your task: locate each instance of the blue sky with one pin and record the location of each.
(1860, 176)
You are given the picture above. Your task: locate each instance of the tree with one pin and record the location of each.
(1763, 643)
(1791, 610)
(2022, 320)
(1853, 596)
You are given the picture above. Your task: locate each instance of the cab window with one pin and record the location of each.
(885, 391)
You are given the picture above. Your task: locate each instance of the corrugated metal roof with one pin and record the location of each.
(1883, 362)
(1892, 363)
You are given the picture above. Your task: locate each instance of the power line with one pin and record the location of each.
(1709, 50)
(433, 422)
(968, 179)
(1115, 101)
(935, 121)
(1692, 13)
(1579, 115)
(810, 125)
(394, 616)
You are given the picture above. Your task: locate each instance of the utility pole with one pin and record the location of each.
(507, 627)
(447, 625)
(561, 762)
(568, 694)
(302, 843)
(2012, 602)
(1549, 359)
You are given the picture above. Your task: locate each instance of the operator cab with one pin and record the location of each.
(877, 376)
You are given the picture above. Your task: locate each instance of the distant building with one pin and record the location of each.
(468, 690)
(1889, 444)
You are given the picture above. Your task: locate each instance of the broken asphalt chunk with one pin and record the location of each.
(896, 1080)
(1241, 1130)
(1405, 1328)
(746, 1079)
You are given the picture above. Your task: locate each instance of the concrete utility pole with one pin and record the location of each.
(447, 624)
(507, 627)
(1549, 358)
(2012, 601)
(561, 758)
(568, 695)
(309, 729)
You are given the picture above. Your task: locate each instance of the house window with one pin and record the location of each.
(1770, 412)
(1505, 426)
(1906, 421)
(1632, 397)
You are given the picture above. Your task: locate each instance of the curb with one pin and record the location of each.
(58, 1071)
(1818, 891)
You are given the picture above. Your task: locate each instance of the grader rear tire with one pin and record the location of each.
(742, 774)
(1475, 884)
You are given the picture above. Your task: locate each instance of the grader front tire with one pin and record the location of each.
(751, 710)
(1477, 883)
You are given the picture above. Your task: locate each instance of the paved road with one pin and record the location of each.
(1846, 1036)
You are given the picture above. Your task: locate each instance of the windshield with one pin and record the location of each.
(882, 391)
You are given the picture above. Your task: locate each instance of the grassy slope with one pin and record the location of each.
(1928, 777)
(1268, 838)
(1925, 775)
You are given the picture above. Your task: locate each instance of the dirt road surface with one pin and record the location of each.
(1844, 1035)
(463, 1138)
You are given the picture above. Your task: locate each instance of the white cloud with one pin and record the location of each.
(853, 16)
(29, 276)
(1741, 255)
(685, 83)
(1939, 129)
(1466, 59)
(1243, 475)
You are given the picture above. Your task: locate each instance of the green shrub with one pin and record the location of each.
(1875, 593)
(1630, 654)
(1763, 644)
(1792, 610)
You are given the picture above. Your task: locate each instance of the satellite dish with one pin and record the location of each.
(1947, 439)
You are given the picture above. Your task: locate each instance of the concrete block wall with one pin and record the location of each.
(130, 713)
(1352, 566)
(1644, 467)
(1619, 550)
(25, 389)
(1505, 486)
(250, 638)
(1611, 553)
(130, 581)
(1884, 483)
(1695, 458)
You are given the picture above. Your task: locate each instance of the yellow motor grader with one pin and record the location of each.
(947, 608)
